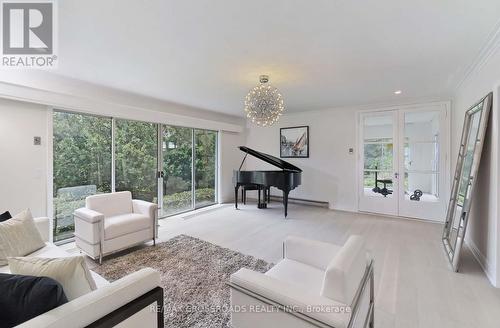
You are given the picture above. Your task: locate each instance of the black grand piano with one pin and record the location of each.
(286, 180)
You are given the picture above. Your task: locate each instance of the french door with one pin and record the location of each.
(403, 162)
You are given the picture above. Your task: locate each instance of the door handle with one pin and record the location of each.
(396, 175)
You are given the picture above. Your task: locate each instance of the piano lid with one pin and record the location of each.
(270, 159)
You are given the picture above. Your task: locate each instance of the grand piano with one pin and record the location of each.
(286, 180)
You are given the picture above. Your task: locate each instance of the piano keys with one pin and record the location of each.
(287, 179)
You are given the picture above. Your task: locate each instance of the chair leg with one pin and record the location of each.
(100, 253)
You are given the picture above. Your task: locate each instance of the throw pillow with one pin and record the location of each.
(25, 297)
(71, 272)
(5, 216)
(19, 236)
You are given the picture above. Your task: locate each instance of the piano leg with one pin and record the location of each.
(285, 202)
(262, 198)
(236, 197)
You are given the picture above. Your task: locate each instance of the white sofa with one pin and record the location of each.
(316, 284)
(112, 222)
(110, 303)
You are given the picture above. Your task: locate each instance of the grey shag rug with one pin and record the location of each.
(193, 273)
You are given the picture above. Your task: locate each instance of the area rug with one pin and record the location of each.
(193, 273)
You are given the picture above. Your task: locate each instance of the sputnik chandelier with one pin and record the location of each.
(264, 104)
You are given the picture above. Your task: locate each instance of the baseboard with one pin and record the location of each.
(482, 260)
(302, 201)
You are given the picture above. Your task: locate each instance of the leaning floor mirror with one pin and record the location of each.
(464, 180)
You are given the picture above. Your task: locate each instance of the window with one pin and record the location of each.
(81, 164)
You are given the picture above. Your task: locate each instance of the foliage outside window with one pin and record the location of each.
(136, 153)
(378, 157)
(81, 165)
(205, 163)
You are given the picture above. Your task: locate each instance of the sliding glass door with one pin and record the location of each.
(205, 168)
(189, 166)
(136, 151)
(81, 165)
(175, 167)
(177, 170)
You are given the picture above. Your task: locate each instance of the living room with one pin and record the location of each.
(244, 164)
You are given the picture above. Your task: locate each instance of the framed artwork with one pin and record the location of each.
(294, 142)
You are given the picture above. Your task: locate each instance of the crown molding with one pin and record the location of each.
(406, 103)
(490, 47)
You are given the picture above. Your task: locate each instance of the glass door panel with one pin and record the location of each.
(81, 165)
(421, 151)
(378, 189)
(205, 167)
(136, 151)
(423, 163)
(177, 152)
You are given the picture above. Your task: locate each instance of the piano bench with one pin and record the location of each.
(267, 193)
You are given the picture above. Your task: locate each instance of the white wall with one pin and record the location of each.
(23, 166)
(483, 231)
(230, 159)
(330, 172)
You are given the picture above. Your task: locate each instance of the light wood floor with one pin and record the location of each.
(413, 284)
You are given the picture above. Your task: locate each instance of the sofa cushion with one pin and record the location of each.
(52, 251)
(120, 225)
(71, 272)
(298, 274)
(112, 204)
(25, 297)
(19, 236)
(343, 275)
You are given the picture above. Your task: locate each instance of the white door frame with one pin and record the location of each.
(445, 171)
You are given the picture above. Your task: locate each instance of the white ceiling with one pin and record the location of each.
(320, 54)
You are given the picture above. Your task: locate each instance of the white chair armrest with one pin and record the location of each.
(92, 306)
(43, 226)
(88, 215)
(145, 208)
(292, 297)
(311, 252)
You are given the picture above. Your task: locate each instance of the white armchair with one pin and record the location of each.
(316, 284)
(113, 222)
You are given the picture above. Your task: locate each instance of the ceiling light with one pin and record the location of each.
(398, 92)
(264, 104)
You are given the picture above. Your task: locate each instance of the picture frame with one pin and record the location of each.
(294, 142)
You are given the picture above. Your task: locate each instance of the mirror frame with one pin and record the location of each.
(453, 247)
